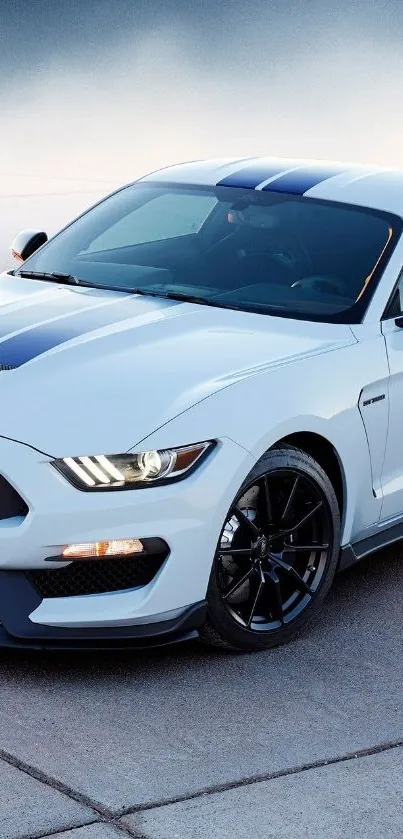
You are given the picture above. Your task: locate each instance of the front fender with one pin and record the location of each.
(309, 396)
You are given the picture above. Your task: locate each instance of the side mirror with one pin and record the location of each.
(26, 243)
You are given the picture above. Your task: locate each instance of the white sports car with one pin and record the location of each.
(201, 405)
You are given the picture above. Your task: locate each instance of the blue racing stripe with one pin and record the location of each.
(251, 176)
(28, 345)
(300, 180)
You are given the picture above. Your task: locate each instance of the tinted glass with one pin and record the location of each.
(259, 251)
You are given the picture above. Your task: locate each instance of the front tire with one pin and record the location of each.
(277, 554)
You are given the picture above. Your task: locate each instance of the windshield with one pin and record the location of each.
(258, 251)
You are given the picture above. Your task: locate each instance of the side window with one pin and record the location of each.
(165, 217)
(395, 305)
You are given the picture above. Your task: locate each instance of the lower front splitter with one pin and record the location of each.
(18, 599)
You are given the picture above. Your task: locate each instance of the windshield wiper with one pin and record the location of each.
(50, 277)
(219, 303)
(186, 298)
(256, 308)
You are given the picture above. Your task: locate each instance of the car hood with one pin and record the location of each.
(85, 371)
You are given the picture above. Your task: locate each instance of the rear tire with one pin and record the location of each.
(277, 554)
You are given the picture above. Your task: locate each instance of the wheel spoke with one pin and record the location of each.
(303, 521)
(298, 580)
(243, 519)
(268, 509)
(276, 604)
(255, 597)
(300, 548)
(235, 551)
(238, 584)
(291, 497)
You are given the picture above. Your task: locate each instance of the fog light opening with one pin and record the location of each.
(94, 550)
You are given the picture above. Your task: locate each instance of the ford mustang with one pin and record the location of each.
(201, 385)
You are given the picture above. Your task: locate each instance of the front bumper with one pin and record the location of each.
(187, 515)
(18, 599)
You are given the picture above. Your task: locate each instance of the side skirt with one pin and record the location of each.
(351, 554)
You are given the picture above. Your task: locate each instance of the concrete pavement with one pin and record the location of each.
(355, 798)
(195, 743)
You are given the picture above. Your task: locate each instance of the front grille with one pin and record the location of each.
(8, 367)
(95, 576)
(11, 504)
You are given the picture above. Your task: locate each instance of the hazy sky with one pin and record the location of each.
(95, 94)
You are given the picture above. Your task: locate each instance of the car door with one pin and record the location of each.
(392, 473)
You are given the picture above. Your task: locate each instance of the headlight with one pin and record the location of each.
(128, 471)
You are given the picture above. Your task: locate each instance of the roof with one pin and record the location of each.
(370, 186)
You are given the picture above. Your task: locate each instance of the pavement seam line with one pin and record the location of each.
(103, 815)
(261, 778)
(54, 783)
(48, 835)
(108, 816)
(127, 831)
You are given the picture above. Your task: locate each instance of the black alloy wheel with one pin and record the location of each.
(277, 553)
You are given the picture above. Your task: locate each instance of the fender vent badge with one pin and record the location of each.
(373, 400)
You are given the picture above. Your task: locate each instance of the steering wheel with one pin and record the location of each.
(320, 282)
